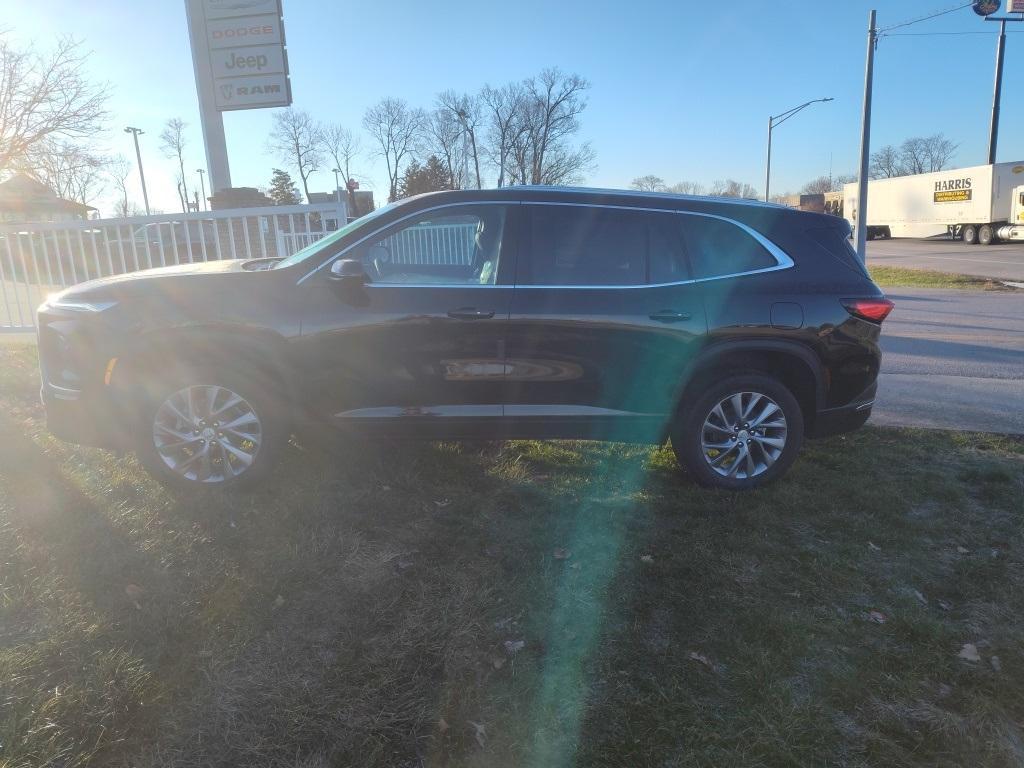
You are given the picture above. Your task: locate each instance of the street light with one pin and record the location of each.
(774, 121)
(337, 186)
(202, 184)
(138, 156)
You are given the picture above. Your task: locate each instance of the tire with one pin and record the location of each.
(970, 234)
(986, 234)
(235, 461)
(770, 461)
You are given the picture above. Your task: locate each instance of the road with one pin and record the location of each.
(953, 359)
(1004, 261)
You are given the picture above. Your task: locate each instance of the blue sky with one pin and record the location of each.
(679, 89)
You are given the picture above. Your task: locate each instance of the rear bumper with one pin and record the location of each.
(847, 418)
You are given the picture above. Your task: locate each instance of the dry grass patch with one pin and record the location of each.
(506, 605)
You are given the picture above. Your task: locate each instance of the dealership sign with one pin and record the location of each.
(247, 60)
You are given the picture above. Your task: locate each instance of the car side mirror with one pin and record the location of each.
(349, 277)
(348, 272)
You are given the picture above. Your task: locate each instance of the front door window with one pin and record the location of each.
(451, 246)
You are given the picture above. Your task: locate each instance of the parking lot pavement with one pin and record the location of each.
(1004, 261)
(953, 359)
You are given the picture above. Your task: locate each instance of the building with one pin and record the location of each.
(23, 199)
(829, 202)
(361, 200)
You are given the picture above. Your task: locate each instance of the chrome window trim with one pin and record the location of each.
(362, 240)
(783, 261)
(669, 196)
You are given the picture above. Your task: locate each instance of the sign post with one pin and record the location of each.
(987, 10)
(240, 62)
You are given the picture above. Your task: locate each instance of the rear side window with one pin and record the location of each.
(836, 243)
(580, 245)
(717, 247)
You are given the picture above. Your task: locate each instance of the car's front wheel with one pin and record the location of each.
(205, 429)
(739, 433)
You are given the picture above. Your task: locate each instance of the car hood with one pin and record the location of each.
(129, 283)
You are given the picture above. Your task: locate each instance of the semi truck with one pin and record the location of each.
(983, 204)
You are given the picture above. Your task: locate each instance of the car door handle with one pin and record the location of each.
(470, 313)
(669, 316)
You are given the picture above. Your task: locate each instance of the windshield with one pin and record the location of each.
(325, 242)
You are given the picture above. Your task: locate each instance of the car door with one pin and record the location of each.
(421, 343)
(603, 322)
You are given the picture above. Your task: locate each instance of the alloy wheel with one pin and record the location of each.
(207, 433)
(743, 435)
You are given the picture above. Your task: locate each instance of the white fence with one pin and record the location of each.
(37, 259)
(433, 244)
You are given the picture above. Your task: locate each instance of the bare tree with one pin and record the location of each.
(119, 169)
(926, 154)
(938, 151)
(687, 188)
(554, 102)
(913, 158)
(467, 111)
(502, 109)
(442, 135)
(395, 127)
(45, 97)
(733, 188)
(295, 139)
(342, 147)
(172, 144)
(885, 163)
(829, 183)
(70, 170)
(648, 183)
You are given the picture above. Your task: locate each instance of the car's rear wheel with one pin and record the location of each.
(207, 429)
(740, 433)
(970, 234)
(986, 234)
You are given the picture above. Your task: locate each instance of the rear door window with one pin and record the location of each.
(575, 245)
(718, 248)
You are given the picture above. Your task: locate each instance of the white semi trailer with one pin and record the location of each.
(983, 204)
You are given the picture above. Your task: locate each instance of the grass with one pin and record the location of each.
(901, 277)
(367, 607)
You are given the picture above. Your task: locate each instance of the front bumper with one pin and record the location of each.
(846, 418)
(86, 418)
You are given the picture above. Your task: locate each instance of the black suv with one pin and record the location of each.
(734, 328)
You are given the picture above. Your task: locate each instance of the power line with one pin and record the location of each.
(933, 34)
(924, 18)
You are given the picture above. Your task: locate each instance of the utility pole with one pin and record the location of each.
(202, 184)
(337, 187)
(993, 131)
(138, 157)
(865, 142)
(774, 122)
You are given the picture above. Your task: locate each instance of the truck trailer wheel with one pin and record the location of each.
(970, 234)
(986, 234)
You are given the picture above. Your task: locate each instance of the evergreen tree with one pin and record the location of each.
(282, 189)
(431, 177)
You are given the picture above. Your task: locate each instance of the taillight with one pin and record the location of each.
(875, 310)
